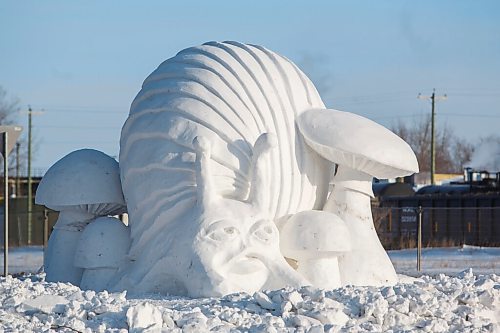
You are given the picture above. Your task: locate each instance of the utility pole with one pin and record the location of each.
(18, 182)
(5, 153)
(8, 137)
(30, 194)
(433, 99)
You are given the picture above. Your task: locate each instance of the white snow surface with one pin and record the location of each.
(27, 259)
(450, 260)
(466, 303)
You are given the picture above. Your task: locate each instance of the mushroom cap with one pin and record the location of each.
(83, 177)
(103, 244)
(357, 142)
(314, 234)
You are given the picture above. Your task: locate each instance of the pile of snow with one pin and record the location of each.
(464, 303)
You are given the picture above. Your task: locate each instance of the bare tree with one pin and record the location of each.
(9, 112)
(8, 108)
(452, 152)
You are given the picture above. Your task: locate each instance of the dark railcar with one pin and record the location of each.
(458, 213)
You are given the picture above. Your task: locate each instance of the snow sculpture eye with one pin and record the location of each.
(264, 231)
(222, 231)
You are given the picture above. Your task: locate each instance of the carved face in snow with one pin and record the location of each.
(236, 244)
(236, 247)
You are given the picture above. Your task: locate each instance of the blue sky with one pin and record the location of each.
(82, 62)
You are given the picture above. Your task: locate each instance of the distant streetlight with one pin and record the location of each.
(10, 134)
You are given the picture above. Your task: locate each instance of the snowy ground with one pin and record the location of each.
(24, 259)
(450, 261)
(466, 302)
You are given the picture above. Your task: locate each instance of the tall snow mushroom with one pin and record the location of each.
(362, 149)
(82, 185)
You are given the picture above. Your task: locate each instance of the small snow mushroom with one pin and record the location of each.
(362, 149)
(82, 185)
(315, 239)
(102, 247)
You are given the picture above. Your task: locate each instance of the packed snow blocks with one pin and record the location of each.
(226, 164)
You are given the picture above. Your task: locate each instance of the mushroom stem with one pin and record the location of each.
(60, 253)
(367, 263)
(73, 220)
(281, 273)
(321, 272)
(96, 278)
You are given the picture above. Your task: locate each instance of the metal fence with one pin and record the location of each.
(398, 227)
(22, 234)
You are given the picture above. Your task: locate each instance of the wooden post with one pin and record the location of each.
(419, 240)
(5, 149)
(45, 228)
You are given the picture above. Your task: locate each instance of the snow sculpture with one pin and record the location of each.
(316, 239)
(82, 185)
(230, 94)
(362, 149)
(223, 245)
(101, 250)
(224, 143)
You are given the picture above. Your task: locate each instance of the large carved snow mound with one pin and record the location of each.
(230, 93)
(226, 161)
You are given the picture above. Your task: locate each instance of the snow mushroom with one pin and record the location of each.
(82, 185)
(102, 247)
(362, 149)
(315, 239)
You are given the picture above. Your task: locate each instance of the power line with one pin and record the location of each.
(73, 111)
(372, 101)
(472, 115)
(479, 93)
(81, 142)
(396, 116)
(105, 109)
(383, 94)
(81, 127)
(475, 95)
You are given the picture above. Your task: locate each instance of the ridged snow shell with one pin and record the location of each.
(230, 93)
